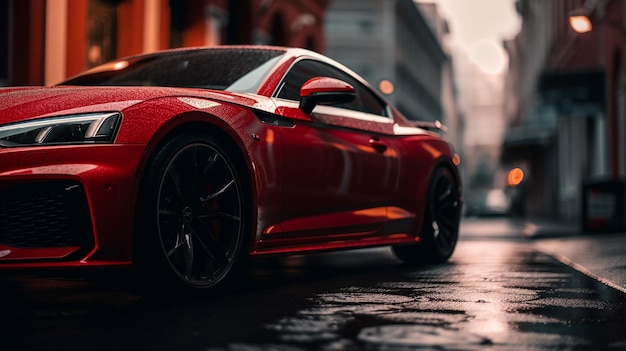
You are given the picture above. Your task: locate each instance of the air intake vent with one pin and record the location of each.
(45, 215)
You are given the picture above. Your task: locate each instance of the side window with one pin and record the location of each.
(299, 74)
(302, 71)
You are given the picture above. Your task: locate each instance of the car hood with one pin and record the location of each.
(23, 103)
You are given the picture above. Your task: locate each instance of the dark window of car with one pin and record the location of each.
(365, 101)
(210, 69)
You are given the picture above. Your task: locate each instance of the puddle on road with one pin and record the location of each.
(418, 336)
(363, 298)
(437, 318)
(530, 302)
(345, 316)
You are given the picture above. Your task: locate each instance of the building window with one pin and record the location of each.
(102, 32)
(278, 32)
(5, 23)
(621, 116)
(177, 23)
(310, 44)
(239, 28)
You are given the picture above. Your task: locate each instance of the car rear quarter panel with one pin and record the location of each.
(420, 155)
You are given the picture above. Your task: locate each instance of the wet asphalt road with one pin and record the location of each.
(496, 293)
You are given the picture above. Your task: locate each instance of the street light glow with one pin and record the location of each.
(580, 24)
(386, 87)
(515, 177)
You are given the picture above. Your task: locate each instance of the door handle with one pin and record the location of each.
(377, 145)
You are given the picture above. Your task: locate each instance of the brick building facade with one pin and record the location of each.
(46, 41)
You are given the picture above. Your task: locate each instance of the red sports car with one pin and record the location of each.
(185, 162)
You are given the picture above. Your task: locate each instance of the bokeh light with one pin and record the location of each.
(580, 24)
(515, 177)
(386, 87)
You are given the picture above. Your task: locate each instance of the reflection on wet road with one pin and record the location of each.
(500, 294)
(494, 294)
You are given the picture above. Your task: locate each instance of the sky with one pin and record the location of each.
(479, 26)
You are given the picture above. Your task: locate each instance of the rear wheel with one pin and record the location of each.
(440, 230)
(191, 215)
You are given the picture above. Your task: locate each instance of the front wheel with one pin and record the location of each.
(440, 229)
(191, 215)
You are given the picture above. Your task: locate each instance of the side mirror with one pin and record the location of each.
(324, 91)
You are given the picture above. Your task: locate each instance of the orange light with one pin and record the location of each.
(456, 159)
(386, 87)
(580, 24)
(515, 177)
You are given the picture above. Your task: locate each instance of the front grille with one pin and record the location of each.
(47, 214)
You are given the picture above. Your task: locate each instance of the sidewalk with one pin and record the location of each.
(600, 256)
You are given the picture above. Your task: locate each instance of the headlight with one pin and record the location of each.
(76, 129)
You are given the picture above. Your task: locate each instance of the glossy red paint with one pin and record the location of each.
(324, 85)
(15, 253)
(332, 179)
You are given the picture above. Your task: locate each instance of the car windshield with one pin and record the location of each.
(233, 69)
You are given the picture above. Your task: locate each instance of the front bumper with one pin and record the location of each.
(67, 205)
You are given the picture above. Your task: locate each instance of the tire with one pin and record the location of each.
(440, 229)
(190, 221)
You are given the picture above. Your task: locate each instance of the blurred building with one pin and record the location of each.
(453, 113)
(565, 102)
(482, 101)
(46, 41)
(391, 41)
(400, 48)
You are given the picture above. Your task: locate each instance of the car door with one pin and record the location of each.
(340, 165)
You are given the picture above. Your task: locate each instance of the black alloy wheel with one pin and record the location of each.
(440, 230)
(196, 213)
